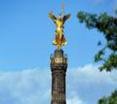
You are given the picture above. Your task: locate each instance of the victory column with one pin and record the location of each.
(59, 60)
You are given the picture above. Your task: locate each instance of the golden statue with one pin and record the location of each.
(59, 22)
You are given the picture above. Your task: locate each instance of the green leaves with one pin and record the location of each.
(108, 26)
(90, 20)
(109, 100)
(110, 63)
(99, 56)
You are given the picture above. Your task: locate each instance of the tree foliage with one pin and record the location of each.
(108, 26)
(112, 99)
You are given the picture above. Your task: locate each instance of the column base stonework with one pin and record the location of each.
(58, 69)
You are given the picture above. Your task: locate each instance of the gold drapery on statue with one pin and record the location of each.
(59, 32)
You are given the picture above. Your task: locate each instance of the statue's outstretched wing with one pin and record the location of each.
(66, 17)
(53, 17)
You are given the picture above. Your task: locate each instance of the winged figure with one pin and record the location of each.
(59, 32)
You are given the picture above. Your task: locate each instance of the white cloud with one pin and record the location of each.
(89, 84)
(90, 73)
(75, 100)
(25, 87)
(33, 86)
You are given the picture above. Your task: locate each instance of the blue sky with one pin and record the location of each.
(26, 32)
(26, 35)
